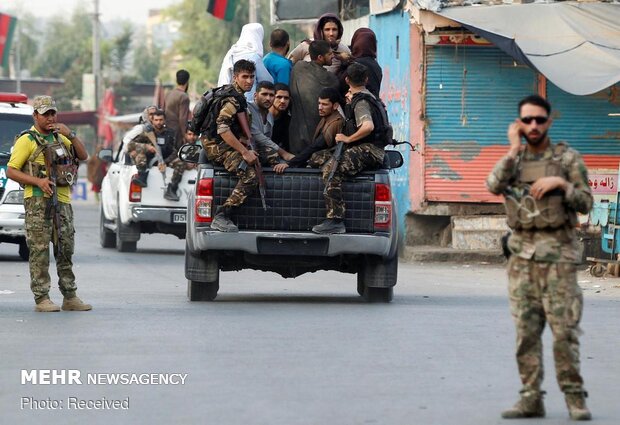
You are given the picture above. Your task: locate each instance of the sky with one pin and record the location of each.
(133, 10)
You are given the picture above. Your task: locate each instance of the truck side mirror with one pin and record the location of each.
(105, 155)
(190, 153)
(392, 159)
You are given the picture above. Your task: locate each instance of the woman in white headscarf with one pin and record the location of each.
(248, 47)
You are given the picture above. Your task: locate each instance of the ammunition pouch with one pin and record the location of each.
(63, 160)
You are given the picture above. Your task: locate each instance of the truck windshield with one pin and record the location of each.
(10, 126)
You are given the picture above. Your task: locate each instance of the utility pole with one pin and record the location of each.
(253, 15)
(96, 55)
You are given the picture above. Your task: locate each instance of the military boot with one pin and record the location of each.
(46, 306)
(75, 304)
(330, 226)
(222, 221)
(530, 405)
(171, 192)
(577, 408)
(140, 179)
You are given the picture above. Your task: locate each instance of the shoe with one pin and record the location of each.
(222, 221)
(46, 306)
(530, 405)
(577, 409)
(75, 304)
(171, 193)
(140, 178)
(330, 226)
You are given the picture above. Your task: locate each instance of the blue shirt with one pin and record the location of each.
(279, 67)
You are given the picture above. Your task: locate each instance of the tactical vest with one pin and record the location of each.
(62, 159)
(523, 211)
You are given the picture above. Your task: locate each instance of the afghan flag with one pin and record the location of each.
(222, 9)
(7, 28)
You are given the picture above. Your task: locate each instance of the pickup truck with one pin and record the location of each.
(280, 239)
(15, 116)
(128, 210)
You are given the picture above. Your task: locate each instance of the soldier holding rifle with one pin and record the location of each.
(44, 160)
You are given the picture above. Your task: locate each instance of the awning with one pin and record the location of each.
(575, 45)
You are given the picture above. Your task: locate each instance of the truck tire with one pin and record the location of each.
(24, 251)
(107, 238)
(377, 277)
(203, 275)
(127, 235)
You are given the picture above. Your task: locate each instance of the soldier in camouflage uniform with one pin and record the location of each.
(228, 147)
(28, 167)
(545, 185)
(361, 151)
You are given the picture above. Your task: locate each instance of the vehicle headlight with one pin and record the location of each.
(15, 197)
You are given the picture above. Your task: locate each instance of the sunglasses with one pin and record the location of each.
(539, 120)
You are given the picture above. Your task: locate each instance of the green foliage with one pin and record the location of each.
(146, 61)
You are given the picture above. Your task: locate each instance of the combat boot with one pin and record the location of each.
(577, 409)
(171, 193)
(330, 226)
(75, 304)
(530, 405)
(141, 178)
(222, 221)
(46, 306)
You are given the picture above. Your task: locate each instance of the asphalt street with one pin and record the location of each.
(279, 351)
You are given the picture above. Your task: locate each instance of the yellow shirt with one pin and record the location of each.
(26, 146)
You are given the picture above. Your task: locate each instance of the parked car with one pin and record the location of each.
(15, 116)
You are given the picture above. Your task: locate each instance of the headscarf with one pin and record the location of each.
(364, 43)
(250, 41)
(318, 30)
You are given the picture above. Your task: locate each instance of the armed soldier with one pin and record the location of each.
(545, 185)
(362, 149)
(224, 142)
(43, 160)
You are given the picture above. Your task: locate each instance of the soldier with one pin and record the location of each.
(362, 150)
(48, 142)
(226, 145)
(545, 185)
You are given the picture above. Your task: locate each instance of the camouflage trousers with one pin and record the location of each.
(39, 233)
(140, 155)
(179, 168)
(354, 159)
(543, 292)
(231, 160)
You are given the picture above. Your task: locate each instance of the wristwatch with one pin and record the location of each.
(72, 135)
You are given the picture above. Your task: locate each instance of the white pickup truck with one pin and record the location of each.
(15, 116)
(128, 210)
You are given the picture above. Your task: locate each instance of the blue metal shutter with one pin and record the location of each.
(472, 95)
(588, 124)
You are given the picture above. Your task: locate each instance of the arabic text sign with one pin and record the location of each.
(603, 183)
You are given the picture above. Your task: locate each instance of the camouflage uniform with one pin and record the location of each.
(219, 152)
(140, 145)
(39, 232)
(355, 158)
(542, 275)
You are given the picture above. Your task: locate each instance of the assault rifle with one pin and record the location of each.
(150, 134)
(52, 203)
(242, 117)
(333, 166)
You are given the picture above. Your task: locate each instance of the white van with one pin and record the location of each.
(15, 117)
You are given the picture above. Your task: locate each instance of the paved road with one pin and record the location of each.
(275, 351)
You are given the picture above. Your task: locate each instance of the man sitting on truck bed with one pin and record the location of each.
(362, 149)
(225, 146)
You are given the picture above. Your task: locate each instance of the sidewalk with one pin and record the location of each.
(432, 253)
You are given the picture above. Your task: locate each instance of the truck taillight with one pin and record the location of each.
(135, 191)
(203, 204)
(383, 206)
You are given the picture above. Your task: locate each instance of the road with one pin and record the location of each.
(277, 351)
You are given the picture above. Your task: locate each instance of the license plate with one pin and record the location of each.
(179, 218)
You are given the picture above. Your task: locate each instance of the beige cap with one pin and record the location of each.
(42, 104)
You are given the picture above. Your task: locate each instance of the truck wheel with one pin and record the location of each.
(107, 238)
(376, 278)
(122, 231)
(24, 251)
(202, 271)
(202, 291)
